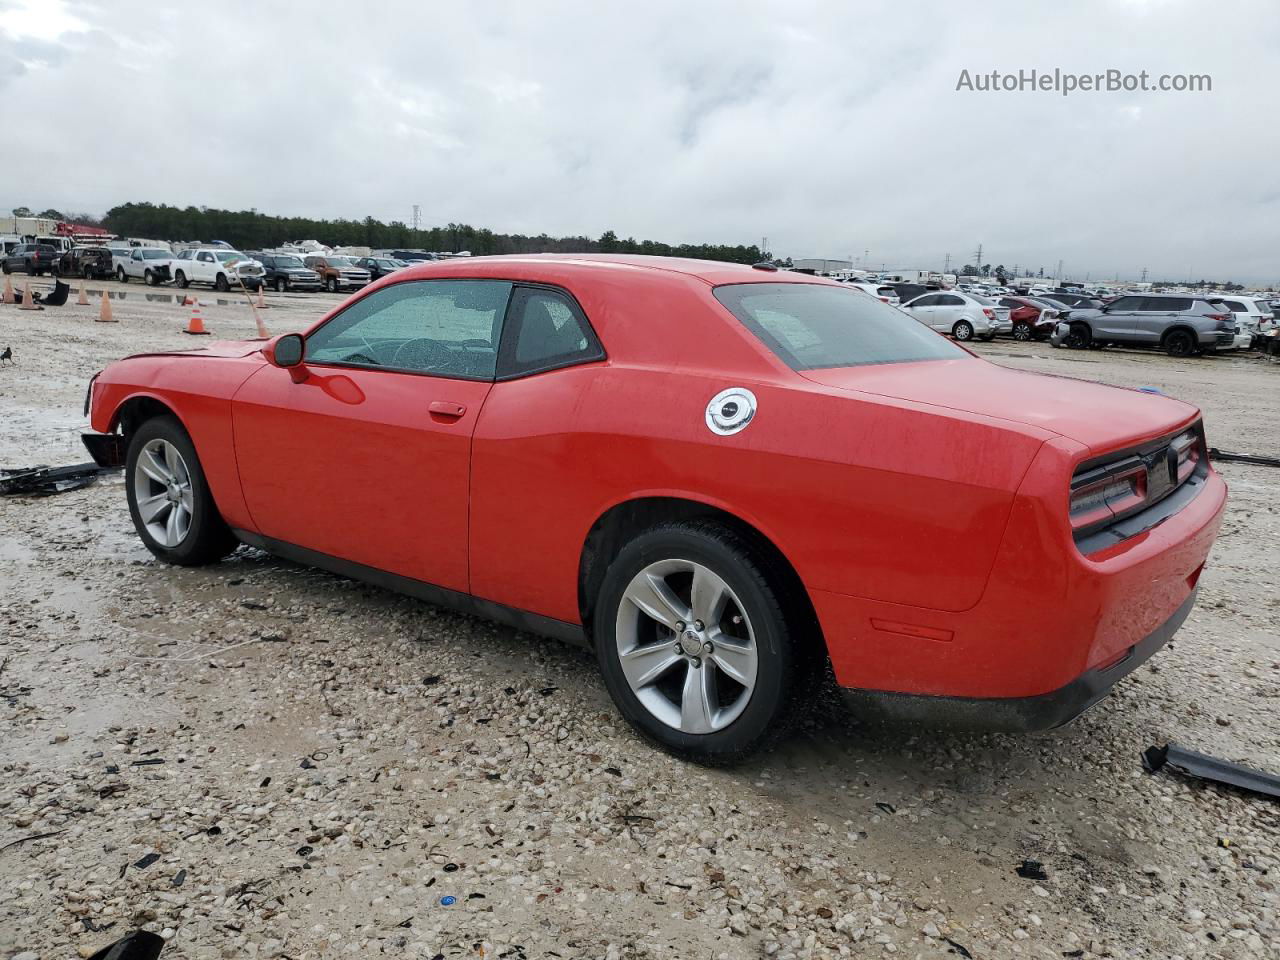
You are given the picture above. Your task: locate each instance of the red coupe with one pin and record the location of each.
(726, 480)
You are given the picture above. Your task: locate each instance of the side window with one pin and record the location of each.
(205, 256)
(446, 328)
(1235, 306)
(929, 301)
(950, 300)
(1125, 304)
(546, 330)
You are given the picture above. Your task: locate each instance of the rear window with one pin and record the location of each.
(813, 326)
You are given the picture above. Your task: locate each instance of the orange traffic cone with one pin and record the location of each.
(27, 302)
(104, 313)
(262, 301)
(83, 299)
(195, 325)
(8, 290)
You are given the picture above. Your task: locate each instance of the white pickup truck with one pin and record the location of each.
(149, 264)
(218, 266)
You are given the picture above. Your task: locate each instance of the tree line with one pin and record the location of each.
(251, 230)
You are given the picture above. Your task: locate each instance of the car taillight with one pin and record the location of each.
(1094, 501)
(884, 299)
(988, 313)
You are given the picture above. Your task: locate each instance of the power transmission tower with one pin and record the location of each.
(1059, 276)
(977, 258)
(417, 217)
(946, 264)
(1144, 274)
(764, 246)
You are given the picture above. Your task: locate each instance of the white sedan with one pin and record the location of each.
(963, 315)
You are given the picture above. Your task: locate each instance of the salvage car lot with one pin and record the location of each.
(330, 750)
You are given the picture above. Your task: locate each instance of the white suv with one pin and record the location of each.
(878, 290)
(1253, 318)
(217, 266)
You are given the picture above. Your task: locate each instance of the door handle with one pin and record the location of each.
(446, 409)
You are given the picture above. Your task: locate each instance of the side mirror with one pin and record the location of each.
(287, 352)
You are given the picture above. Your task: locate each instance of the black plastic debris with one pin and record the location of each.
(146, 861)
(1192, 764)
(149, 762)
(44, 481)
(139, 945)
(179, 878)
(306, 764)
(886, 807)
(304, 851)
(959, 949)
(431, 681)
(1225, 457)
(1031, 870)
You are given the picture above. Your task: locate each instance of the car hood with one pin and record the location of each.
(1101, 417)
(225, 349)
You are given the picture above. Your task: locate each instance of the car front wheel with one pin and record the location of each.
(331, 285)
(221, 284)
(693, 638)
(122, 276)
(169, 499)
(181, 280)
(281, 285)
(962, 330)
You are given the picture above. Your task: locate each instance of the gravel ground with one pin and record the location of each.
(259, 760)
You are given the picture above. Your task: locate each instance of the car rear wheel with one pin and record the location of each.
(5, 267)
(86, 271)
(121, 275)
(169, 499)
(693, 639)
(1179, 343)
(281, 285)
(149, 277)
(331, 284)
(1022, 331)
(962, 330)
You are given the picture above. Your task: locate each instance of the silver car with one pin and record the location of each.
(963, 315)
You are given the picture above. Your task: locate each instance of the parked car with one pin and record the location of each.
(379, 267)
(709, 532)
(32, 258)
(92, 263)
(881, 291)
(219, 266)
(153, 265)
(338, 273)
(963, 315)
(1032, 318)
(1252, 315)
(1181, 325)
(1073, 299)
(909, 291)
(284, 271)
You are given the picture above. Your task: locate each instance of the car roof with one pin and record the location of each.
(600, 265)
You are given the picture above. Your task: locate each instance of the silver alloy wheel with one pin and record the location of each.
(1022, 331)
(162, 491)
(686, 646)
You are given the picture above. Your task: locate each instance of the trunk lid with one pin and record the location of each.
(1101, 417)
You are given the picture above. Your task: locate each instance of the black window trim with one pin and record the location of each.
(415, 373)
(507, 344)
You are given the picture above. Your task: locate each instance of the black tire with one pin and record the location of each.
(963, 330)
(121, 275)
(208, 538)
(281, 285)
(1179, 343)
(331, 284)
(785, 671)
(1023, 331)
(181, 280)
(220, 283)
(988, 337)
(86, 271)
(5, 267)
(149, 278)
(1079, 338)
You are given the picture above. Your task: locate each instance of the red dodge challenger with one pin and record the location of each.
(721, 478)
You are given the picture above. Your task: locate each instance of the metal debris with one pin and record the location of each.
(1031, 870)
(1225, 457)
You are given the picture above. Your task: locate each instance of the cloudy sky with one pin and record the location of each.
(833, 129)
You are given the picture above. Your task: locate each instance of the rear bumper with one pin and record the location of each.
(1017, 714)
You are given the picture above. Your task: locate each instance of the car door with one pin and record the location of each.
(1117, 320)
(367, 459)
(923, 308)
(135, 267)
(204, 267)
(950, 309)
